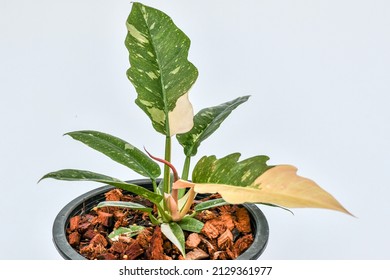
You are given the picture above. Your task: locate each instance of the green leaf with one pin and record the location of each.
(119, 151)
(205, 123)
(160, 70)
(130, 205)
(124, 204)
(126, 231)
(191, 224)
(82, 175)
(210, 204)
(228, 170)
(175, 234)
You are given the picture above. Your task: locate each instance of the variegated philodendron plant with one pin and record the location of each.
(162, 77)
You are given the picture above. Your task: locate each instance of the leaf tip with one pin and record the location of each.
(44, 177)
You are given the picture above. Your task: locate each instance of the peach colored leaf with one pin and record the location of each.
(280, 186)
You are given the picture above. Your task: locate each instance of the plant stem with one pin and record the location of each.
(186, 168)
(184, 175)
(154, 183)
(167, 176)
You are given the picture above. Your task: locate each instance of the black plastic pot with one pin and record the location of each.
(90, 199)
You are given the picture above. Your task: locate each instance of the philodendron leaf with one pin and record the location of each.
(228, 170)
(206, 122)
(191, 224)
(279, 185)
(126, 231)
(130, 205)
(119, 150)
(124, 204)
(160, 70)
(210, 204)
(82, 175)
(175, 234)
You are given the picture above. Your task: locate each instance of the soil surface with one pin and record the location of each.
(226, 234)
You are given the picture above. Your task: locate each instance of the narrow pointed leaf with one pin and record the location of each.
(82, 175)
(279, 185)
(126, 231)
(277, 206)
(206, 122)
(119, 151)
(191, 224)
(130, 205)
(210, 204)
(124, 204)
(160, 70)
(175, 234)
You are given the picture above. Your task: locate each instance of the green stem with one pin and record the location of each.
(154, 183)
(167, 176)
(186, 168)
(185, 174)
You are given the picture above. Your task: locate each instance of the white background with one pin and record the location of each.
(318, 72)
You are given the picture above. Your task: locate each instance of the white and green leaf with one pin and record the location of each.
(119, 151)
(210, 204)
(175, 234)
(83, 175)
(130, 231)
(206, 122)
(130, 205)
(124, 204)
(160, 70)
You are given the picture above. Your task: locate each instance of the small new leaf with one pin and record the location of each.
(130, 205)
(210, 204)
(125, 231)
(175, 234)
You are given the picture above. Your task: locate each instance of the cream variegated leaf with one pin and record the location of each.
(253, 181)
(280, 186)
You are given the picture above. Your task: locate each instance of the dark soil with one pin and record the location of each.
(226, 234)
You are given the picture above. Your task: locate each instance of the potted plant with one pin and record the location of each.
(162, 77)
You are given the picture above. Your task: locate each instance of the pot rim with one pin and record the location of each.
(88, 200)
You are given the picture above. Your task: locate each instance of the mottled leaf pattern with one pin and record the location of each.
(119, 151)
(228, 170)
(130, 231)
(206, 122)
(160, 70)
